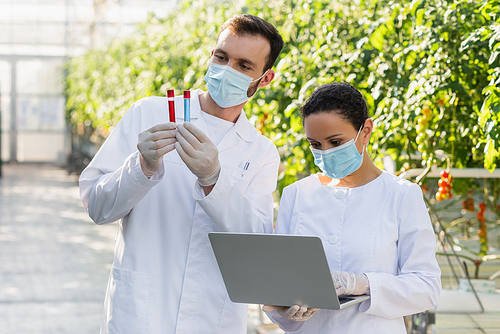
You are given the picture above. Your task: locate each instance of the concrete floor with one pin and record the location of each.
(54, 261)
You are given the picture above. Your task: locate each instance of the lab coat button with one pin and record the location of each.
(333, 239)
(340, 194)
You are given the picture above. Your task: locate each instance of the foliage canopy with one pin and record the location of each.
(429, 70)
(404, 56)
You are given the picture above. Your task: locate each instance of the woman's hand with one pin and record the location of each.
(350, 283)
(294, 312)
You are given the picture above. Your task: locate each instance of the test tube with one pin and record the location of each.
(187, 106)
(171, 105)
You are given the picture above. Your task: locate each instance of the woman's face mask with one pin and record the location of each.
(226, 86)
(340, 161)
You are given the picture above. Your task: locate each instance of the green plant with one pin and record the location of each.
(413, 60)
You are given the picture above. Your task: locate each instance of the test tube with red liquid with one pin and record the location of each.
(171, 105)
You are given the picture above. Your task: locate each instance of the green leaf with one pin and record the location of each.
(420, 17)
(378, 36)
(491, 153)
(493, 57)
(414, 6)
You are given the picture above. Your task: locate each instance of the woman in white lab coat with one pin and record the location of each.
(375, 228)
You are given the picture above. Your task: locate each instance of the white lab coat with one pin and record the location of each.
(381, 229)
(165, 278)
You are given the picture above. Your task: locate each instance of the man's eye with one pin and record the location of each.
(219, 57)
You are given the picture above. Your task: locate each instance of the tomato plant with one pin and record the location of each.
(428, 69)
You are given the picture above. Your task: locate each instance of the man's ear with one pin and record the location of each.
(267, 78)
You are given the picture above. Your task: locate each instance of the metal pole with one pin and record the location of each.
(456, 172)
(13, 112)
(0, 130)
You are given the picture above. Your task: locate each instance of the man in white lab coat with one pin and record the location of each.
(170, 184)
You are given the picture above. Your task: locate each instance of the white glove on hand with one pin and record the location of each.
(153, 144)
(350, 283)
(294, 312)
(199, 153)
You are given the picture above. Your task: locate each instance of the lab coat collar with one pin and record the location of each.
(242, 127)
(195, 104)
(245, 129)
(242, 130)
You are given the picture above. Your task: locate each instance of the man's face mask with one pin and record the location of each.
(340, 161)
(226, 86)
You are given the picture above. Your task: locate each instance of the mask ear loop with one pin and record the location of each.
(359, 131)
(258, 80)
(261, 76)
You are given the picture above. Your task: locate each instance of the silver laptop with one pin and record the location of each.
(280, 270)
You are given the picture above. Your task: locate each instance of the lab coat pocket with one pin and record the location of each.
(242, 177)
(128, 304)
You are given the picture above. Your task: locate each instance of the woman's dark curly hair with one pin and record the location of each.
(340, 98)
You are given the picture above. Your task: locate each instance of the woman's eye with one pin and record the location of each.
(335, 142)
(315, 145)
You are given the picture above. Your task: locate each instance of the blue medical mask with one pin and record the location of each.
(340, 161)
(226, 86)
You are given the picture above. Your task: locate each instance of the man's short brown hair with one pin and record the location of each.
(251, 25)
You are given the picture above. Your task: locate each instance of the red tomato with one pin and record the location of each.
(443, 190)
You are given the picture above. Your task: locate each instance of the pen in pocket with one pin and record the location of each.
(245, 168)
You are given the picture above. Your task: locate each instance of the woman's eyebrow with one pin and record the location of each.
(332, 136)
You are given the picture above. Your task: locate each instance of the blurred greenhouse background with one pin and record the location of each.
(429, 69)
(70, 69)
(37, 37)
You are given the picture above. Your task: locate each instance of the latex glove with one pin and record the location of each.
(199, 153)
(294, 312)
(350, 283)
(153, 144)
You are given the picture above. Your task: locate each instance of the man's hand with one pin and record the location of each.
(199, 153)
(350, 283)
(294, 312)
(153, 144)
